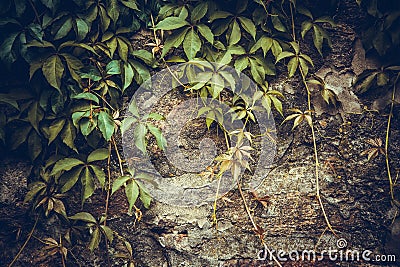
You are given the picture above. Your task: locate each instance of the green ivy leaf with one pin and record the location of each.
(87, 96)
(35, 189)
(95, 239)
(303, 66)
(305, 27)
(68, 135)
(161, 141)
(107, 232)
(241, 63)
(199, 11)
(126, 124)
(235, 36)
(283, 55)
(35, 115)
(82, 29)
(106, 125)
(257, 71)
(34, 145)
(130, 4)
(55, 129)
(74, 65)
(318, 39)
(143, 73)
(120, 181)
(128, 75)
(53, 70)
(19, 136)
(219, 15)
(171, 23)
(113, 67)
(65, 165)
(113, 10)
(191, 44)
(144, 196)
(277, 104)
(292, 66)
(123, 49)
(69, 179)
(206, 33)
(6, 53)
(87, 126)
(99, 173)
(98, 154)
(132, 193)
(64, 29)
(84, 216)
(140, 137)
(248, 26)
(105, 19)
(174, 40)
(144, 55)
(367, 82)
(276, 48)
(87, 184)
(278, 25)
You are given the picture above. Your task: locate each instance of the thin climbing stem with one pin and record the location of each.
(108, 198)
(214, 215)
(121, 169)
(256, 228)
(317, 186)
(292, 20)
(25, 243)
(35, 11)
(108, 183)
(103, 98)
(391, 184)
